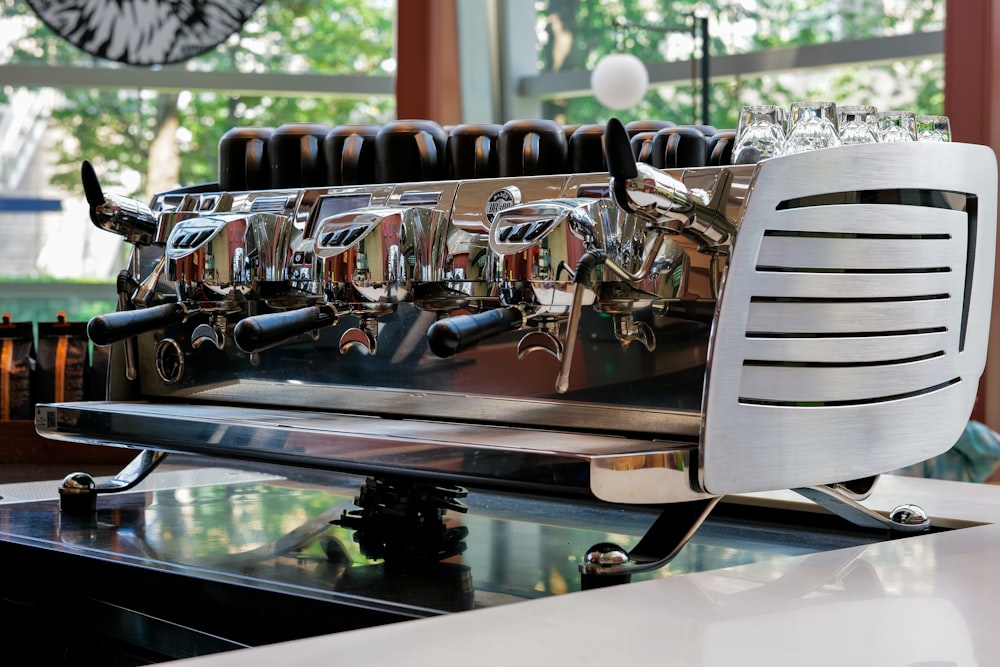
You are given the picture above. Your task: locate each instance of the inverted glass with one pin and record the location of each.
(897, 126)
(760, 134)
(812, 126)
(858, 124)
(933, 128)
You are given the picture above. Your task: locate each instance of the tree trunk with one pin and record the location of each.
(164, 155)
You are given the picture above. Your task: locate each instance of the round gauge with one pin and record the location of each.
(145, 32)
(169, 361)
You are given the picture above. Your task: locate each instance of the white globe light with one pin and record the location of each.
(619, 81)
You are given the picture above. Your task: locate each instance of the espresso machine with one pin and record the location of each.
(447, 317)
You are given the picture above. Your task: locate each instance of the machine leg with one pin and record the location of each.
(78, 493)
(607, 564)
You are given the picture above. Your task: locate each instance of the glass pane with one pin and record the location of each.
(146, 141)
(574, 35)
(325, 37)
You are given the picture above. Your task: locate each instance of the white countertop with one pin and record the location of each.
(927, 600)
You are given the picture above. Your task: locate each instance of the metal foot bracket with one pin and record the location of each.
(78, 493)
(607, 564)
(902, 519)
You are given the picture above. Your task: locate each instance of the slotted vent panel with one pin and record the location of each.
(191, 235)
(271, 204)
(900, 330)
(839, 350)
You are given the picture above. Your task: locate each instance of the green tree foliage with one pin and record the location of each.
(115, 129)
(575, 34)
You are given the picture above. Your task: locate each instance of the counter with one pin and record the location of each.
(924, 600)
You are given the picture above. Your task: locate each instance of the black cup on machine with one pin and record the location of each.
(634, 127)
(642, 146)
(707, 130)
(682, 146)
(586, 150)
(244, 163)
(349, 153)
(640, 135)
(568, 130)
(296, 153)
(532, 148)
(410, 150)
(720, 148)
(472, 151)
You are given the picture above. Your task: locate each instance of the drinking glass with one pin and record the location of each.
(897, 126)
(812, 125)
(858, 124)
(933, 128)
(760, 134)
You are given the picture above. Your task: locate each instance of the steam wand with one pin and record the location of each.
(133, 221)
(581, 279)
(664, 202)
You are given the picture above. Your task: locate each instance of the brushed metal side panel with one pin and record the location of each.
(786, 447)
(799, 384)
(792, 284)
(852, 349)
(750, 447)
(863, 219)
(848, 317)
(847, 254)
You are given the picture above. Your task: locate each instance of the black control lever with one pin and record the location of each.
(117, 214)
(456, 334)
(114, 327)
(259, 332)
(91, 185)
(621, 161)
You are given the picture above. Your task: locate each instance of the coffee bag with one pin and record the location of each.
(17, 347)
(62, 363)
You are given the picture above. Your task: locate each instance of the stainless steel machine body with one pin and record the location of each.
(809, 320)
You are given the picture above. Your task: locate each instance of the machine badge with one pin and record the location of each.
(501, 200)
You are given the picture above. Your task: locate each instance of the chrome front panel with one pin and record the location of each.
(614, 388)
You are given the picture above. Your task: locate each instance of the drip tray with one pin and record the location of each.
(612, 467)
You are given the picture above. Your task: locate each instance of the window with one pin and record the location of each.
(151, 129)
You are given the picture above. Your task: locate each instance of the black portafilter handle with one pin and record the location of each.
(455, 334)
(259, 332)
(113, 327)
